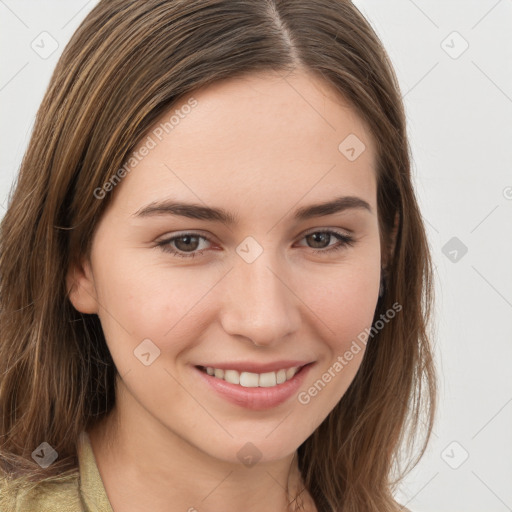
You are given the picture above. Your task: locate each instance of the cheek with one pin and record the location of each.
(150, 301)
(344, 300)
(343, 303)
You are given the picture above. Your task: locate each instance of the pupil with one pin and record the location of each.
(319, 235)
(187, 239)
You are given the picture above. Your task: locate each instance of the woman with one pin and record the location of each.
(215, 279)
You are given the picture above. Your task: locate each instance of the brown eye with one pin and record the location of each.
(320, 241)
(185, 245)
(187, 242)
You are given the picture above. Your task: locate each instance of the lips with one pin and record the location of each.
(255, 398)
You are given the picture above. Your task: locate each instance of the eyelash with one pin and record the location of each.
(345, 241)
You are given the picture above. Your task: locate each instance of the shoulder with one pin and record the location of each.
(60, 494)
(76, 490)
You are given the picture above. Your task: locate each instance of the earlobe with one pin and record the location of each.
(81, 289)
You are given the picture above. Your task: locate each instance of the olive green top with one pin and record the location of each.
(82, 491)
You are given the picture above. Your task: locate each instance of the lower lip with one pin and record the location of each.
(259, 398)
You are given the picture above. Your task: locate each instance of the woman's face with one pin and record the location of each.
(276, 287)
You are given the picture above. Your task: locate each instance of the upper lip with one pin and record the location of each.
(257, 367)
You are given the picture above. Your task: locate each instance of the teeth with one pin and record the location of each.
(290, 372)
(231, 376)
(253, 380)
(248, 380)
(267, 380)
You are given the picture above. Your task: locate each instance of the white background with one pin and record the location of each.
(459, 109)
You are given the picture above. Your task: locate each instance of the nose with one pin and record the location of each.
(260, 304)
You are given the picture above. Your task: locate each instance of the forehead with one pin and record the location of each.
(266, 138)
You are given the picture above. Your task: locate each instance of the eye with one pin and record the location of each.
(320, 237)
(186, 244)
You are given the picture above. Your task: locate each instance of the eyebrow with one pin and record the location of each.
(195, 211)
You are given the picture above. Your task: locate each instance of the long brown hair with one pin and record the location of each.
(128, 63)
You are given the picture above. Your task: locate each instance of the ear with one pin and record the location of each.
(81, 288)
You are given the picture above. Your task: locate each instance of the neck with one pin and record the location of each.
(146, 466)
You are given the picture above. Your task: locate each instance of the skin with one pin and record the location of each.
(259, 147)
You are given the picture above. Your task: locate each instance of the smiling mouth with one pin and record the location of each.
(253, 380)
